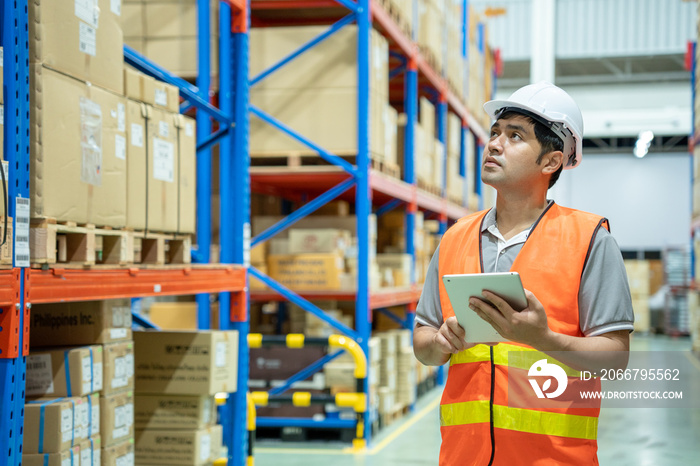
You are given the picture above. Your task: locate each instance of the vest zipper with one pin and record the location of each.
(493, 387)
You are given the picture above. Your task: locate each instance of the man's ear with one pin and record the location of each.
(551, 162)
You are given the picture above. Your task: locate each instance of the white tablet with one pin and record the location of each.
(463, 286)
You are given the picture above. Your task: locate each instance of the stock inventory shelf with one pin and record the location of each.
(316, 180)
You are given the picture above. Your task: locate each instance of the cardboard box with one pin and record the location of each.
(91, 451)
(71, 456)
(117, 418)
(326, 116)
(80, 323)
(73, 181)
(307, 272)
(166, 97)
(64, 372)
(136, 113)
(171, 447)
(186, 363)
(331, 64)
(322, 240)
(119, 367)
(163, 173)
(85, 41)
(48, 425)
(119, 454)
(187, 160)
(132, 84)
(179, 412)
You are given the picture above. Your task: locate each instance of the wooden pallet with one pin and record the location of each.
(73, 245)
(398, 412)
(303, 159)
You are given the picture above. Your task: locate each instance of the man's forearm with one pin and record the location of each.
(609, 350)
(424, 346)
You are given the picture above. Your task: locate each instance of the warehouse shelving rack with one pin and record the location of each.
(358, 183)
(20, 287)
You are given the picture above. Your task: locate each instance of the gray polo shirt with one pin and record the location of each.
(604, 300)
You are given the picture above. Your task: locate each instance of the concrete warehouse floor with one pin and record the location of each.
(626, 436)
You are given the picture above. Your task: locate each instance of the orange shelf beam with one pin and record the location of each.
(384, 298)
(10, 315)
(57, 285)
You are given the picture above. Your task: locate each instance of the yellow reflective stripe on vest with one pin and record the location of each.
(504, 354)
(521, 420)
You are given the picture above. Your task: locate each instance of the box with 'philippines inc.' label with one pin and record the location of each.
(186, 363)
(64, 372)
(119, 367)
(81, 323)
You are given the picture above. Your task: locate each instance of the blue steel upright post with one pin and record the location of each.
(204, 156)
(411, 109)
(239, 223)
(15, 40)
(442, 137)
(362, 191)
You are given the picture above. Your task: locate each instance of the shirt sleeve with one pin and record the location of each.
(428, 310)
(605, 303)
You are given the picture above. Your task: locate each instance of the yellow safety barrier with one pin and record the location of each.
(255, 340)
(355, 350)
(250, 461)
(357, 401)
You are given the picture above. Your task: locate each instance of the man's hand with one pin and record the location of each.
(528, 326)
(434, 346)
(450, 338)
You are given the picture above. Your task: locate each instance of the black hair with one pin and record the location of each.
(549, 142)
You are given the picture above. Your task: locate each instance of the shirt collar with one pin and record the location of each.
(490, 218)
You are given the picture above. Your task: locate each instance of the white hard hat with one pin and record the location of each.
(551, 106)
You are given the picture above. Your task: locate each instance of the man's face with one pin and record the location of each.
(510, 157)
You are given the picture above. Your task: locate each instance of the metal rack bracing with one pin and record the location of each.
(19, 287)
(368, 184)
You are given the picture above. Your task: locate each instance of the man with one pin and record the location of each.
(575, 282)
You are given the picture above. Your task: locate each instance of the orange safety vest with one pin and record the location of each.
(478, 425)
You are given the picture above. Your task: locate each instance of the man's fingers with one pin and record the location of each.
(499, 303)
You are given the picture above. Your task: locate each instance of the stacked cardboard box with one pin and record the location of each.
(316, 94)
(77, 135)
(456, 183)
(165, 31)
(638, 274)
(694, 309)
(162, 157)
(177, 375)
(86, 358)
(99, 157)
(320, 253)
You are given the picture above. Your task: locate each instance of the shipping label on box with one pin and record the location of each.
(162, 189)
(69, 457)
(136, 178)
(85, 41)
(178, 412)
(186, 363)
(48, 424)
(172, 447)
(64, 372)
(118, 367)
(121, 454)
(81, 323)
(117, 418)
(306, 272)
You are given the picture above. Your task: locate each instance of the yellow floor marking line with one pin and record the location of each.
(351, 451)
